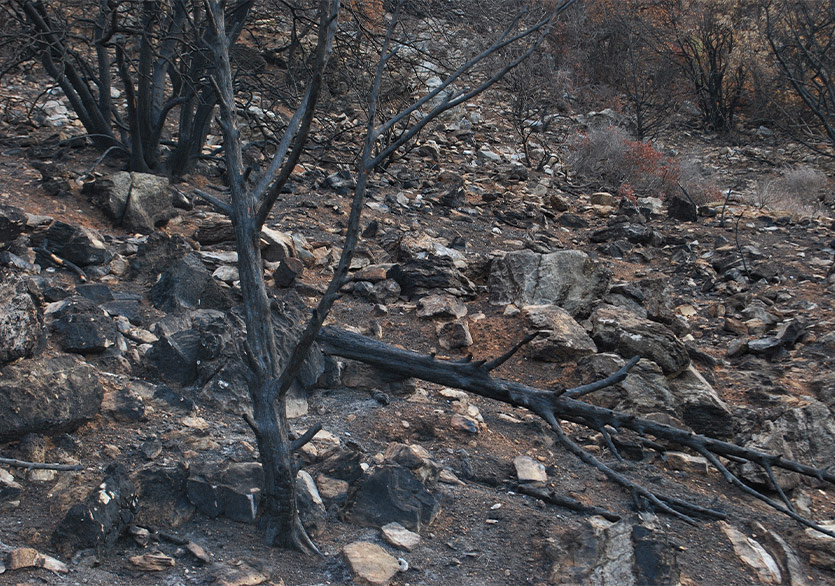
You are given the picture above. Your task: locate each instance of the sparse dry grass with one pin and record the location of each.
(799, 190)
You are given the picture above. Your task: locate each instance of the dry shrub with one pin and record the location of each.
(800, 190)
(699, 182)
(608, 157)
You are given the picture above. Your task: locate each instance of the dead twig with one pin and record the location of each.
(40, 465)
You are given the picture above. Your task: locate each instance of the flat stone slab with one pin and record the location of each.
(398, 536)
(370, 563)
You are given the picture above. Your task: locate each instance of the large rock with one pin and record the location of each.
(201, 349)
(188, 284)
(618, 329)
(699, 405)
(393, 493)
(82, 326)
(804, 434)
(138, 201)
(561, 338)
(420, 276)
(47, 395)
(611, 554)
(568, 278)
(232, 490)
(21, 325)
(99, 521)
(79, 245)
(646, 390)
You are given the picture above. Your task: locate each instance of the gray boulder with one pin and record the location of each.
(618, 329)
(137, 201)
(568, 278)
(561, 338)
(21, 325)
(47, 395)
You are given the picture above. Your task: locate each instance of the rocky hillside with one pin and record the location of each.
(120, 357)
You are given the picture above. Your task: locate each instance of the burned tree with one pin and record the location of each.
(250, 205)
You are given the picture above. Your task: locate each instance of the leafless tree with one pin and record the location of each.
(250, 206)
(801, 36)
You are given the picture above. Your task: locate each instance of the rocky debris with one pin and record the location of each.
(81, 326)
(79, 245)
(686, 462)
(187, 285)
(567, 278)
(561, 339)
(370, 563)
(529, 470)
(611, 554)
(12, 223)
(618, 329)
(47, 395)
(276, 245)
(805, 434)
(156, 254)
(454, 334)
(99, 521)
(27, 557)
(232, 490)
(753, 554)
(824, 389)
(138, 201)
(699, 406)
(21, 324)
(398, 536)
(392, 494)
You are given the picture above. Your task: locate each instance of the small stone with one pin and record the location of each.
(289, 269)
(441, 306)
(226, 273)
(529, 470)
(398, 536)
(737, 348)
(682, 461)
(152, 562)
(332, 489)
(464, 423)
(27, 557)
(454, 334)
(370, 563)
